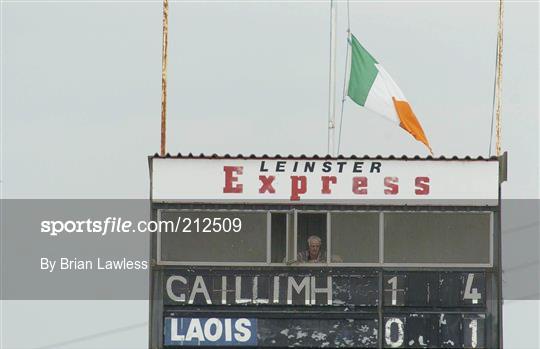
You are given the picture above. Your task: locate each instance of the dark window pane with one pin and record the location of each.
(291, 253)
(355, 237)
(423, 237)
(279, 237)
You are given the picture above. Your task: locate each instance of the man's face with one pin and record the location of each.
(314, 247)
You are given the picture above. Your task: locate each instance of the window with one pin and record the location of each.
(422, 237)
(215, 236)
(311, 238)
(355, 237)
(295, 237)
(278, 229)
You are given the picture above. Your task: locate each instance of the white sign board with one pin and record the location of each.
(325, 181)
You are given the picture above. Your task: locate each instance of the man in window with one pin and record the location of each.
(314, 253)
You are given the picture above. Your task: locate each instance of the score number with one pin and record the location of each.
(394, 290)
(470, 292)
(434, 330)
(445, 289)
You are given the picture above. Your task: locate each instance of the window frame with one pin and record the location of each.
(328, 264)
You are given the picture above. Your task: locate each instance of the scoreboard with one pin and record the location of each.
(415, 309)
(409, 252)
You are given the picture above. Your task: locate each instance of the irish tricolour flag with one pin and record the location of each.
(371, 87)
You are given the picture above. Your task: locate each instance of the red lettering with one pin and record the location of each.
(298, 186)
(391, 184)
(326, 180)
(422, 185)
(266, 184)
(359, 185)
(230, 171)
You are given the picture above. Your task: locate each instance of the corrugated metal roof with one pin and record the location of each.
(323, 157)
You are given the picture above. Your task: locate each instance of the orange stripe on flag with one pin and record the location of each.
(409, 122)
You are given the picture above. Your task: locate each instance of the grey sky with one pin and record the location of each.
(81, 91)
(81, 86)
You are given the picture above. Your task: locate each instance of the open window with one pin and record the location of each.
(311, 237)
(278, 236)
(299, 238)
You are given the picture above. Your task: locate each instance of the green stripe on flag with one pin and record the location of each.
(363, 72)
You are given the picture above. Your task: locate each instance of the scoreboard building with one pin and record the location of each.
(325, 252)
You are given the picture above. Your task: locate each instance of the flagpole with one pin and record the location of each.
(498, 80)
(164, 51)
(332, 80)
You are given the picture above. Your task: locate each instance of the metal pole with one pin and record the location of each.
(499, 78)
(164, 77)
(332, 80)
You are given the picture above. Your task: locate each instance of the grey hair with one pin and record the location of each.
(314, 238)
